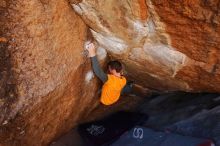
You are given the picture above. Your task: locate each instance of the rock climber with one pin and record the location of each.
(114, 83)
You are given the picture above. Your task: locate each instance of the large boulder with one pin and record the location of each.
(164, 44)
(46, 85)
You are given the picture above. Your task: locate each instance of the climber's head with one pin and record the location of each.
(114, 67)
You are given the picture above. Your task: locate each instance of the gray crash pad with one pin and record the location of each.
(141, 136)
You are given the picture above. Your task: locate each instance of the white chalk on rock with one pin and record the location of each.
(101, 53)
(111, 43)
(86, 44)
(89, 76)
(5, 122)
(85, 51)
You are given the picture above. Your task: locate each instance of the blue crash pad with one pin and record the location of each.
(141, 136)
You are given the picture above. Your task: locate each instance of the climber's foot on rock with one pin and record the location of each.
(155, 94)
(140, 91)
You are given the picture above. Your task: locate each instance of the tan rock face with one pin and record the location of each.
(46, 84)
(167, 45)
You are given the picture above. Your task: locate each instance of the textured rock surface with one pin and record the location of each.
(204, 124)
(165, 44)
(196, 115)
(47, 87)
(46, 83)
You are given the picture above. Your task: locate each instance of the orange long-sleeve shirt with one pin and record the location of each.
(111, 89)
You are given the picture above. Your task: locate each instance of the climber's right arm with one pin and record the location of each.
(97, 70)
(95, 64)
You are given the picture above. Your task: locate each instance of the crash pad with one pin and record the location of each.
(107, 130)
(142, 136)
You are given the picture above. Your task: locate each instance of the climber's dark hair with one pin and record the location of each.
(115, 65)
